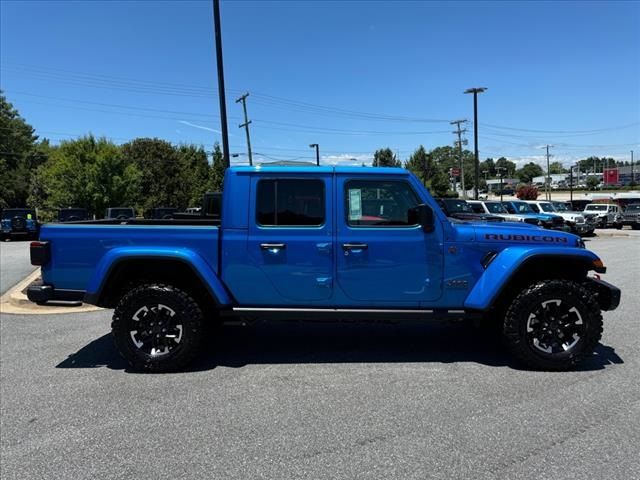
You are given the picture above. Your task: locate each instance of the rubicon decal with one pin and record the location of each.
(525, 238)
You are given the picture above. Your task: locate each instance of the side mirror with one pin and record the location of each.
(422, 215)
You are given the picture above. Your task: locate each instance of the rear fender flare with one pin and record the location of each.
(116, 256)
(507, 263)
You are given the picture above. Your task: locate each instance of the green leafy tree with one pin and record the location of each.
(592, 182)
(529, 171)
(556, 168)
(88, 173)
(508, 166)
(194, 173)
(161, 182)
(20, 154)
(385, 157)
(420, 163)
(216, 171)
(439, 184)
(488, 166)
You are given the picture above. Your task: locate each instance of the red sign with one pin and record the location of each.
(611, 176)
(455, 171)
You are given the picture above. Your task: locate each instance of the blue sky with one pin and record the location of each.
(351, 76)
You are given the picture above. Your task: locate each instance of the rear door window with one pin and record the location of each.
(290, 202)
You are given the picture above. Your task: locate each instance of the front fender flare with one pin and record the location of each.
(507, 263)
(116, 256)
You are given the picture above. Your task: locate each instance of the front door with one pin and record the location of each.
(383, 256)
(290, 242)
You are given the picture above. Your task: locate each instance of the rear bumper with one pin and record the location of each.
(608, 296)
(44, 293)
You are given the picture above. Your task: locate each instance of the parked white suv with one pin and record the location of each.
(574, 220)
(605, 214)
(497, 208)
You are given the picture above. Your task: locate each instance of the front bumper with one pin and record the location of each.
(581, 228)
(39, 293)
(607, 295)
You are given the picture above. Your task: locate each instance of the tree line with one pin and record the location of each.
(95, 173)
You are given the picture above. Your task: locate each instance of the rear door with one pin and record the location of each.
(382, 256)
(290, 241)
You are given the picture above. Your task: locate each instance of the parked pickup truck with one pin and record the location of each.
(326, 243)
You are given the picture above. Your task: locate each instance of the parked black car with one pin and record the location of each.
(120, 213)
(460, 209)
(160, 213)
(19, 222)
(72, 214)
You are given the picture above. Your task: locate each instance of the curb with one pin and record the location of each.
(612, 234)
(15, 301)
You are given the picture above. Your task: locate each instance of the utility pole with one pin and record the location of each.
(317, 147)
(547, 187)
(459, 143)
(633, 179)
(475, 92)
(246, 123)
(221, 93)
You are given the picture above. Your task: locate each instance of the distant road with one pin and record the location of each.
(14, 263)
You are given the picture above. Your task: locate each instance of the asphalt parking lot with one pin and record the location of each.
(311, 400)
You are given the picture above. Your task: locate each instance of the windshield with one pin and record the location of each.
(522, 207)
(495, 207)
(547, 207)
(633, 208)
(560, 207)
(457, 206)
(18, 212)
(597, 208)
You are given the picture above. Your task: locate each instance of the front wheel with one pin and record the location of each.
(553, 325)
(158, 328)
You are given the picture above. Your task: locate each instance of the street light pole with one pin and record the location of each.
(317, 147)
(475, 92)
(571, 185)
(500, 169)
(221, 93)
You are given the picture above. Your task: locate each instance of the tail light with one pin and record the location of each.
(40, 253)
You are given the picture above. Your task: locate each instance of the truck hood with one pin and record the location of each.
(505, 234)
(519, 234)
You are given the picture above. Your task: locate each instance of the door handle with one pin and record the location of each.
(274, 247)
(354, 246)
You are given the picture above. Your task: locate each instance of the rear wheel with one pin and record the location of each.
(158, 328)
(553, 325)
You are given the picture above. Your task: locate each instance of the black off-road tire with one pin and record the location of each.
(164, 298)
(573, 295)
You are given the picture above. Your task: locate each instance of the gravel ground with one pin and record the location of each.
(311, 400)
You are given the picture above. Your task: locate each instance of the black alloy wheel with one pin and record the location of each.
(158, 328)
(553, 324)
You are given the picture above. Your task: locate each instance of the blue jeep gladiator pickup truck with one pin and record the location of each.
(326, 242)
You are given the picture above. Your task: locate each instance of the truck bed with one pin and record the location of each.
(78, 249)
